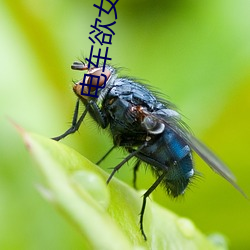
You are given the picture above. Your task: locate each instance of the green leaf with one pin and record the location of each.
(106, 215)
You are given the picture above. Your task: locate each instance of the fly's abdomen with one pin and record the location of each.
(170, 155)
(180, 166)
(178, 176)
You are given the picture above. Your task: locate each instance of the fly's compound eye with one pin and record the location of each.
(94, 77)
(152, 125)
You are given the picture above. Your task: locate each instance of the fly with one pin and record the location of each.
(149, 128)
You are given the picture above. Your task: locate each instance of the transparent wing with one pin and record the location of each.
(175, 124)
(208, 156)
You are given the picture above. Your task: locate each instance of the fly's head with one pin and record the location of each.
(94, 83)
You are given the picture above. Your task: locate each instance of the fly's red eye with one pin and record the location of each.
(97, 75)
(94, 77)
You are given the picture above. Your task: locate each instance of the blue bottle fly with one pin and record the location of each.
(148, 127)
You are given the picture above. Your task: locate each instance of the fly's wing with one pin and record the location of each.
(212, 160)
(175, 124)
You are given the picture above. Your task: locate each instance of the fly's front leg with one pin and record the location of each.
(75, 124)
(93, 109)
(97, 114)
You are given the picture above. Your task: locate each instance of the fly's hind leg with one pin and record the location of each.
(145, 196)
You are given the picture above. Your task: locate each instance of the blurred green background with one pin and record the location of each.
(195, 52)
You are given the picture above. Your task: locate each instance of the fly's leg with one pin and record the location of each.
(90, 107)
(125, 160)
(75, 124)
(145, 196)
(136, 167)
(97, 114)
(105, 155)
